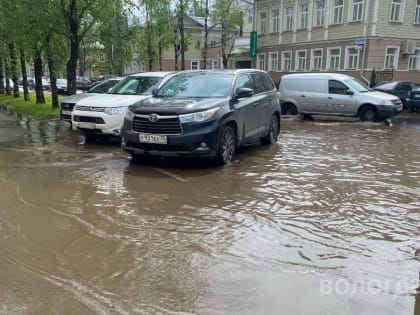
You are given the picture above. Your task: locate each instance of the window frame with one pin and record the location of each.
(276, 20)
(349, 56)
(270, 61)
(263, 22)
(416, 63)
(298, 60)
(337, 12)
(286, 63)
(261, 61)
(417, 12)
(304, 16)
(396, 12)
(356, 10)
(329, 56)
(289, 23)
(313, 58)
(319, 13)
(197, 61)
(394, 56)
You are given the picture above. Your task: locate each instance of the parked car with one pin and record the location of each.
(413, 100)
(103, 114)
(335, 94)
(397, 88)
(83, 83)
(205, 114)
(61, 86)
(68, 103)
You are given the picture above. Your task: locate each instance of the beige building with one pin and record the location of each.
(347, 36)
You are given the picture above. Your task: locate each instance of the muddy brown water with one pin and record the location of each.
(324, 222)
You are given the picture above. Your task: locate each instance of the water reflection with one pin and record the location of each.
(332, 202)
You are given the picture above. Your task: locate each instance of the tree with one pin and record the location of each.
(226, 14)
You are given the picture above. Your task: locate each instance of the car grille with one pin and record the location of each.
(96, 120)
(157, 147)
(90, 108)
(67, 106)
(167, 125)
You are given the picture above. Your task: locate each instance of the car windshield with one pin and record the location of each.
(136, 85)
(357, 86)
(197, 85)
(103, 87)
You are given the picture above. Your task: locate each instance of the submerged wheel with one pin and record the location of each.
(289, 109)
(227, 146)
(273, 131)
(368, 113)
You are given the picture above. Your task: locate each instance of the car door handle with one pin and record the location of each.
(302, 95)
(330, 98)
(270, 99)
(256, 104)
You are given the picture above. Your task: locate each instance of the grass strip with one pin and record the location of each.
(30, 108)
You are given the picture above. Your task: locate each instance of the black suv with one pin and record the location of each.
(204, 113)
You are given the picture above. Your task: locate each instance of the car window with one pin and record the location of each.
(404, 86)
(336, 87)
(197, 85)
(137, 85)
(103, 87)
(243, 81)
(258, 83)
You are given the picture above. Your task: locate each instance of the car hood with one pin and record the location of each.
(382, 95)
(76, 97)
(111, 100)
(172, 105)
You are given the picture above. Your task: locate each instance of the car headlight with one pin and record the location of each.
(115, 110)
(387, 102)
(199, 116)
(129, 115)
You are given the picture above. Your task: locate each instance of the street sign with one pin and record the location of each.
(253, 45)
(359, 41)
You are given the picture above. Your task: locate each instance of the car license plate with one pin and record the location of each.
(66, 112)
(149, 138)
(87, 125)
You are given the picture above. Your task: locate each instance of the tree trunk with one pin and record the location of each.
(13, 69)
(53, 82)
(182, 32)
(1, 76)
(7, 76)
(39, 92)
(206, 33)
(24, 75)
(149, 40)
(72, 65)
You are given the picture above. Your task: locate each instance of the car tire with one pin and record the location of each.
(368, 113)
(289, 109)
(273, 131)
(227, 146)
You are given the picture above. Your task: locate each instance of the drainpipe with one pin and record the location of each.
(366, 32)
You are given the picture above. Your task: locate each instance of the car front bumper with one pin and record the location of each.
(96, 123)
(386, 111)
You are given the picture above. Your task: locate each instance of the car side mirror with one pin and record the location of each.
(155, 92)
(244, 92)
(349, 92)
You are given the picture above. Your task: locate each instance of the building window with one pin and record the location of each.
(316, 59)
(195, 64)
(300, 64)
(304, 11)
(275, 14)
(319, 12)
(352, 58)
(395, 11)
(391, 58)
(338, 11)
(356, 10)
(417, 13)
(263, 22)
(412, 62)
(261, 61)
(273, 61)
(334, 58)
(286, 61)
(289, 19)
(250, 16)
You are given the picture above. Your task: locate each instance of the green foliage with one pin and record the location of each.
(19, 105)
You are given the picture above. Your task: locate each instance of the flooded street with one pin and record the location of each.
(326, 221)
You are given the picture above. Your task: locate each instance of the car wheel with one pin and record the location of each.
(368, 113)
(273, 131)
(289, 109)
(227, 146)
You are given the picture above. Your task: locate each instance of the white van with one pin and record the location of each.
(335, 94)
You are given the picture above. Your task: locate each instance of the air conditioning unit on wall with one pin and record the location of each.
(408, 47)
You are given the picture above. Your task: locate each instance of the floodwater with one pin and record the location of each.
(326, 221)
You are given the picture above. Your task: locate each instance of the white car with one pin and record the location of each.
(68, 103)
(103, 114)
